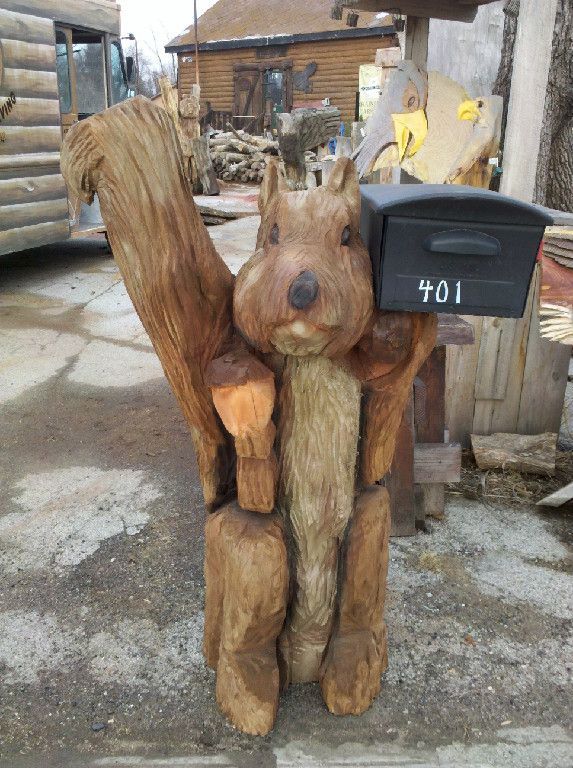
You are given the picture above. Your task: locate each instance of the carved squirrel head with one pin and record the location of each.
(307, 290)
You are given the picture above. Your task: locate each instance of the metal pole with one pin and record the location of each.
(136, 67)
(196, 43)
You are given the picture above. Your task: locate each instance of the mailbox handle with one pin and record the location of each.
(465, 242)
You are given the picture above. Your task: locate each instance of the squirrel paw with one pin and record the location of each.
(248, 689)
(350, 673)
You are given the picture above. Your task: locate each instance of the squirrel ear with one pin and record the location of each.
(343, 180)
(270, 185)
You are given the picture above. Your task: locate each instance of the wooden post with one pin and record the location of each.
(416, 48)
(196, 43)
(195, 146)
(429, 420)
(531, 61)
(400, 479)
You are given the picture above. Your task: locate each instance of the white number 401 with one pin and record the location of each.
(441, 291)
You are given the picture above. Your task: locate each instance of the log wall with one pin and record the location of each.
(33, 199)
(336, 76)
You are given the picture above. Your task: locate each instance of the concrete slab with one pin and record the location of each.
(236, 241)
(101, 574)
(234, 201)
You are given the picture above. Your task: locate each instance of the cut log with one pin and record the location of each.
(522, 453)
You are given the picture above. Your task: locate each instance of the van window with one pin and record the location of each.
(118, 76)
(63, 70)
(90, 72)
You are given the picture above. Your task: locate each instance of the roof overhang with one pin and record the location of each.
(303, 37)
(453, 10)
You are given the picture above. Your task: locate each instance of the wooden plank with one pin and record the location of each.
(438, 9)
(32, 188)
(33, 84)
(556, 499)
(501, 415)
(494, 356)
(35, 140)
(33, 112)
(28, 214)
(437, 462)
(522, 453)
(453, 329)
(400, 479)
(544, 378)
(93, 14)
(531, 60)
(461, 366)
(33, 163)
(31, 237)
(429, 417)
(429, 403)
(23, 55)
(21, 26)
(469, 53)
(417, 31)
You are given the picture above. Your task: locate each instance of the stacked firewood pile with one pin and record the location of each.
(238, 156)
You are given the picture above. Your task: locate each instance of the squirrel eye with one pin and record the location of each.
(274, 236)
(345, 236)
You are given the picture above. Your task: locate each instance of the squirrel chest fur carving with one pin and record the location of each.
(293, 386)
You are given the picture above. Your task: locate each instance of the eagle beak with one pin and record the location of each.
(406, 125)
(468, 110)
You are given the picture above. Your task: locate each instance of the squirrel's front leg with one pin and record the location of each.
(387, 360)
(243, 391)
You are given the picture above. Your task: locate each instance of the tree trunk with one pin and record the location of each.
(554, 181)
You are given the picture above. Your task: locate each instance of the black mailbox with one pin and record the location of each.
(447, 248)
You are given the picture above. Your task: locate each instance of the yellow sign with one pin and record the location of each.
(369, 86)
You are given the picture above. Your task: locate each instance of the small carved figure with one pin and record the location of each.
(293, 386)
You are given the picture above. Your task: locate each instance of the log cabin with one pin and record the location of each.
(259, 57)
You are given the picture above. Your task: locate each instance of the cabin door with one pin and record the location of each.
(248, 103)
(261, 90)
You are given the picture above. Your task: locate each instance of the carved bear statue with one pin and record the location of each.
(293, 385)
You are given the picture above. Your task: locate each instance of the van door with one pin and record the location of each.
(83, 91)
(66, 78)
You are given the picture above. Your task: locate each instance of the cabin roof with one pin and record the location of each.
(237, 23)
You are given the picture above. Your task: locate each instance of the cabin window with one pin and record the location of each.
(118, 76)
(90, 72)
(63, 70)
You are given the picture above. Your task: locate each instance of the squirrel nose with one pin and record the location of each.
(303, 290)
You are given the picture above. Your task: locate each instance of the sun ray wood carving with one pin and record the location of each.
(293, 386)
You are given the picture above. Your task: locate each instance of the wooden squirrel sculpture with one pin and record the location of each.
(294, 388)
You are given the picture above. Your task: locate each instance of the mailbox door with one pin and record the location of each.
(469, 268)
